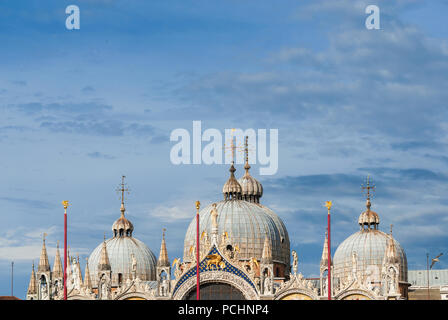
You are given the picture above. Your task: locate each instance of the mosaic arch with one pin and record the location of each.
(220, 272)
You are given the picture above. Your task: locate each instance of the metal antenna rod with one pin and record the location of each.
(12, 278)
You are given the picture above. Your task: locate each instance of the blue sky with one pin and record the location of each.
(80, 108)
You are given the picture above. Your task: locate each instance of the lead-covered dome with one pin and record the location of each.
(247, 225)
(365, 250)
(122, 251)
(370, 247)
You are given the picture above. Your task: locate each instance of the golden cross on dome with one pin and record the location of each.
(123, 189)
(368, 187)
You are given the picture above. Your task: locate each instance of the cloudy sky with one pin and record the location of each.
(81, 108)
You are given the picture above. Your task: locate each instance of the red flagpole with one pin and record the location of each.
(329, 257)
(65, 203)
(198, 295)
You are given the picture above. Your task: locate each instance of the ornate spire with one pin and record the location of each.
(104, 264)
(69, 266)
(122, 227)
(324, 258)
(122, 190)
(232, 188)
(266, 257)
(44, 265)
(246, 151)
(87, 280)
(368, 187)
(251, 189)
(368, 218)
(78, 266)
(163, 256)
(57, 266)
(32, 287)
(390, 255)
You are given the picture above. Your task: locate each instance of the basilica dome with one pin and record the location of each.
(247, 224)
(369, 246)
(121, 249)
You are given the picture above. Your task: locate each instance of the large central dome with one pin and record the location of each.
(247, 225)
(246, 222)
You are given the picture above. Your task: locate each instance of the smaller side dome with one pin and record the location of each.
(232, 188)
(369, 218)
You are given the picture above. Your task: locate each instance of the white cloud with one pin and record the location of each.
(171, 213)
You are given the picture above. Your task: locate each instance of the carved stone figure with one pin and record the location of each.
(391, 282)
(44, 290)
(164, 288)
(325, 286)
(104, 291)
(267, 285)
(214, 216)
(354, 266)
(134, 266)
(295, 262)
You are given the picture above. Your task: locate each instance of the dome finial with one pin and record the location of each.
(251, 189)
(122, 227)
(246, 151)
(122, 189)
(368, 218)
(163, 260)
(232, 189)
(368, 187)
